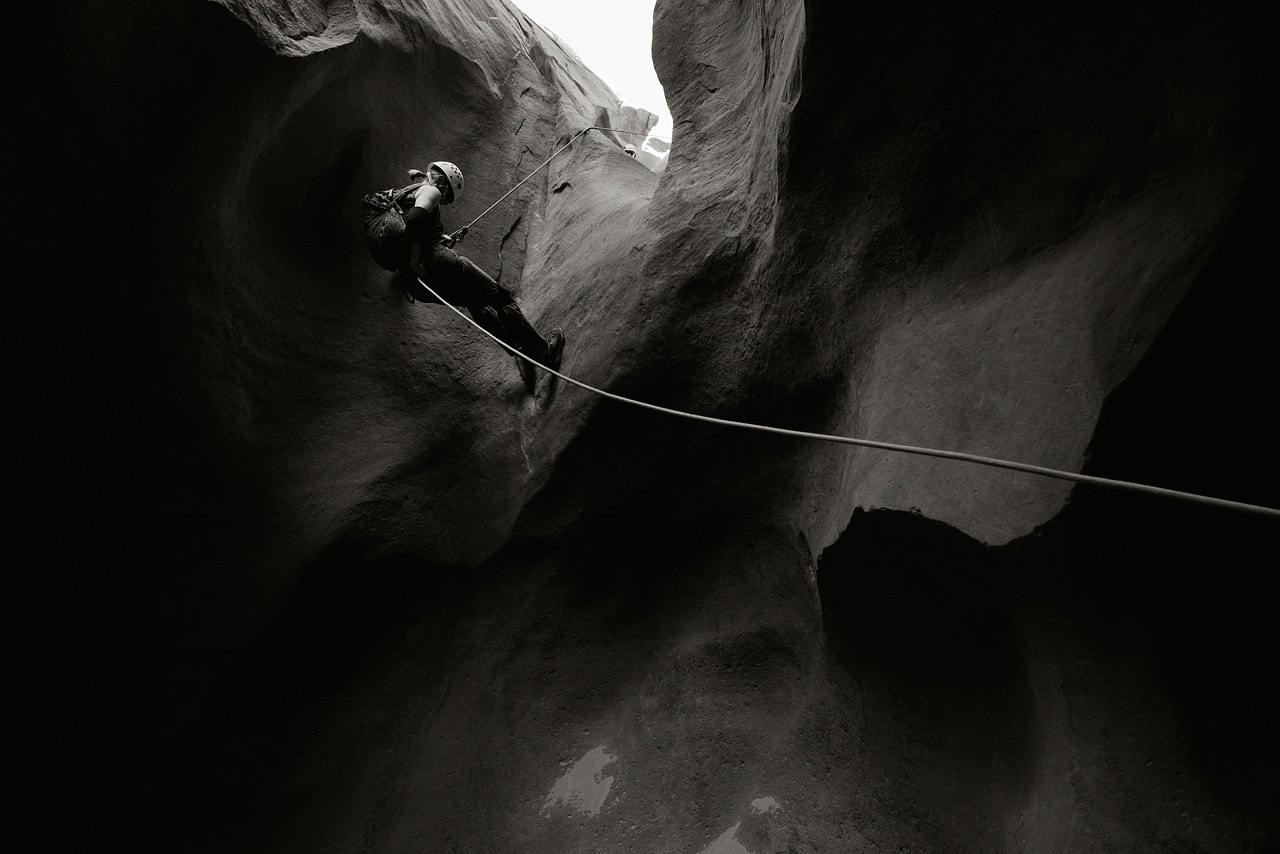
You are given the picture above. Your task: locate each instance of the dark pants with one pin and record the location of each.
(461, 282)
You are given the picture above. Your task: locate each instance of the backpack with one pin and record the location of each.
(384, 228)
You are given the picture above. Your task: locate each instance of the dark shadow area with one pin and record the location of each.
(915, 603)
(1046, 151)
(919, 632)
(326, 671)
(103, 128)
(1197, 414)
(377, 661)
(1167, 596)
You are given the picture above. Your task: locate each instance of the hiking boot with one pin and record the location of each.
(528, 373)
(555, 349)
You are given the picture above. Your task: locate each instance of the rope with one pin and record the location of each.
(993, 462)
(1074, 477)
(544, 163)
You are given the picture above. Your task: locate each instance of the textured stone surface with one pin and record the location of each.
(322, 578)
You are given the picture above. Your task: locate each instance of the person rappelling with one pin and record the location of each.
(457, 279)
(397, 220)
(390, 233)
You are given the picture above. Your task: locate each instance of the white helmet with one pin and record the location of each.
(453, 174)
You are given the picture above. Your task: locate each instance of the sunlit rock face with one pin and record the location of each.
(327, 579)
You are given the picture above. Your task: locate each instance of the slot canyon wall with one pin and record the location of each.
(303, 569)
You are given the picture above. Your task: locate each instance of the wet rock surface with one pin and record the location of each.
(306, 570)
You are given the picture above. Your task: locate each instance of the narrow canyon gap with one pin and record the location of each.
(302, 568)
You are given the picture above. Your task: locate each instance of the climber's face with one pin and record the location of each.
(441, 183)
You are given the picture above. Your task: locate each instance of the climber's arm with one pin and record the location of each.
(427, 198)
(415, 224)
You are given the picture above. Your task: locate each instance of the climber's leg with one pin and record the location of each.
(474, 288)
(413, 287)
(527, 339)
(488, 319)
(484, 297)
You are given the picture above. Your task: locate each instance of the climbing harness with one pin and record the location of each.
(1075, 477)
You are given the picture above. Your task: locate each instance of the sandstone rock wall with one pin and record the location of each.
(329, 580)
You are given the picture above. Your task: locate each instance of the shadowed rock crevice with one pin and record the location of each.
(357, 614)
(1132, 625)
(651, 649)
(928, 659)
(1178, 582)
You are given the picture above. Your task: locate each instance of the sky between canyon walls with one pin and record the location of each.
(613, 39)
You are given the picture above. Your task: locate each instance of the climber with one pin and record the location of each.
(460, 281)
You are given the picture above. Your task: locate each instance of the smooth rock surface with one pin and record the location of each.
(306, 570)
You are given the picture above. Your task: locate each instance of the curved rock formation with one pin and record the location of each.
(326, 579)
